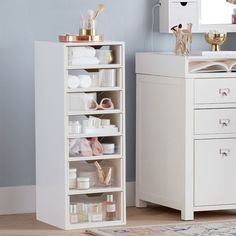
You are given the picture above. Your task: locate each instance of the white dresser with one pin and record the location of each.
(186, 135)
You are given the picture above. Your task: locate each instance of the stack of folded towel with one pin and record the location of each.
(82, 56)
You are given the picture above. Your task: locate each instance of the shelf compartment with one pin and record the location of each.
(89, 170)
(74, 152)
(114, 119)
(116, 53)
(100, 78)
(96, 158)
(80, 102)
(86, 204)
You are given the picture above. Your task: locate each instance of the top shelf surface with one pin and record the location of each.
(86, 43)
(104, 43)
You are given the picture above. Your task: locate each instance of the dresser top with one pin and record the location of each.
(192, 66)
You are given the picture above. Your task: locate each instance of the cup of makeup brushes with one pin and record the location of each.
(91, 28)
(88, 24)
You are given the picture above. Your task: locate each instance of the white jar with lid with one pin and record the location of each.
(72, 178)
(108, 148)
(92, 175)
(74, 127)
(83, 183)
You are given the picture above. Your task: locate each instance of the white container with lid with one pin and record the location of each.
(108, 148)
(83, 183)
(107, 77)
(92, 175)
(75, 127)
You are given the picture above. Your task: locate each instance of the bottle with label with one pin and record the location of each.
(73, 214)
(234, 17)
(72, 178)
(110, 208)
(95, 213)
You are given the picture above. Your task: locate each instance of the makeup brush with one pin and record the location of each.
(101, 8)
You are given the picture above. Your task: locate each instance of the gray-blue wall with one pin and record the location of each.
(24, 21)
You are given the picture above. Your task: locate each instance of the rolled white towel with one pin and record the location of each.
(85, 81)
(81, 52)
(83, 61)
(73, 81)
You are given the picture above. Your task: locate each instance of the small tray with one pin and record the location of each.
(75, 38)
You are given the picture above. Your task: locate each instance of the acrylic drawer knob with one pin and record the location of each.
(224, 92)
(224, 122)
(224, 152)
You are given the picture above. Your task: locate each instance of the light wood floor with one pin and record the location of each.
(27, 225)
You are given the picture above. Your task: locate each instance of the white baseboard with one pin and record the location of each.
(21, 199)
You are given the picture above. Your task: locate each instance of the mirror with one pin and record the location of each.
(216, 12)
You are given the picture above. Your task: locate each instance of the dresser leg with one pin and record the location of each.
(187, 215)
(140, 203)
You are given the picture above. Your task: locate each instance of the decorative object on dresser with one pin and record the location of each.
(86, 102)
(183, 39)
(187, 143)
(215, 39)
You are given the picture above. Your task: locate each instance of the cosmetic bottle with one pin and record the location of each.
(234, 17)
(72, 178)
(73, 214)
(95, 212)
(82, 211)
(110, 206)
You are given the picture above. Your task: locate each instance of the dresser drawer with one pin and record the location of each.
(215, 172)
(215, 121)
(215, 91)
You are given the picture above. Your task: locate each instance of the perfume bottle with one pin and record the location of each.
(95, 213)
(73, 214)
(110, 208)
(82, 211)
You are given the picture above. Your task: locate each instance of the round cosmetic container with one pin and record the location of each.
(83, 183)
(108, 148)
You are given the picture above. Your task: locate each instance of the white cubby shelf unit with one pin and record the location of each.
(53, 114)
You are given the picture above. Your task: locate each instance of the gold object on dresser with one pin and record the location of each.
(215, 39)
(75, 38)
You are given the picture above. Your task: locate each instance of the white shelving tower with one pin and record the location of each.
(53, 196)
